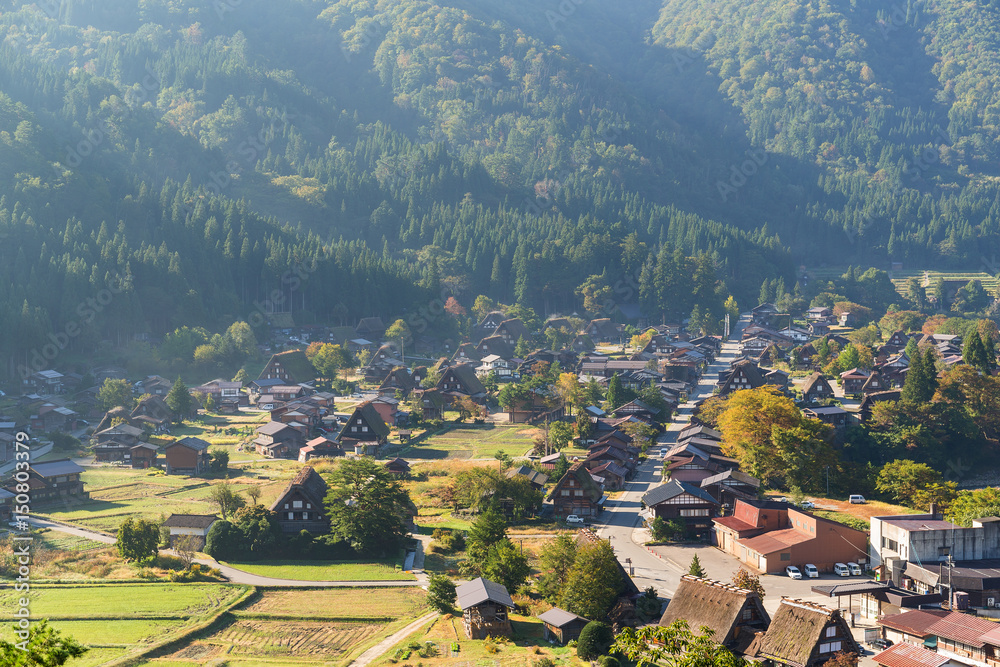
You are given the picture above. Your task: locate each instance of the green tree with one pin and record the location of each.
(648, 605)
(224, 540)
(555, 562)
(137, 540)
(674, 646)
(921, 378)
(179, 400)
(259, 530)
(220, 461)
(441, 593)
(505, 565)
(594, 641)
(972, 505)
(521, 350)
(242, 377)
(560, 434)
(695, 569)
(367, 506)
(584, 427)
(44, 646)
(226, 497)
(209, 403)
(399, 331)
(115, 393)
(617, 395)
(488, 528)
(594, 582)
(914, 484)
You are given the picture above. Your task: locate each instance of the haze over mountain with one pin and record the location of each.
(189, 154)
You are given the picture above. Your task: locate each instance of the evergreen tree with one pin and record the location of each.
(521, 350)
(616, 394)
(695, 569)
(179, 400)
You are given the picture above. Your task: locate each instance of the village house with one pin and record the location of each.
(837, 417)
(112, 445)
(910, 655)
(399, 382)
(513, 330)
(485, 608)
(535, 478)
(152, 413)
(187, 456)
(853, 380)
(55, 480)
(46, 383)
(461, 382)
(731, 485)
(321, 447)
(291, 368)
(803, 634)
(819, 314)
(431, 403)
(365, 431)
(195, 526)
(603, 330)
(962, 638)
(735, 615)
(51, 418)
(398, 467)
(683, 502)
(816, 388)
(154, 385)
(576, 493)
(494, 363)
(277, 440)
(743, 375)
(489, 323)
(142, 455)
(493, 346)
(561, 626)
(763, 312)
(300, 505)
(370, 327)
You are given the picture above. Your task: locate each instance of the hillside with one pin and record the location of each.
(190, 156)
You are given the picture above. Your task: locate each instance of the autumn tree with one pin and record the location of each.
(751, 582)
(115, 393)
(555, 563)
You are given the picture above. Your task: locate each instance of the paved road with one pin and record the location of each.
(621, 523)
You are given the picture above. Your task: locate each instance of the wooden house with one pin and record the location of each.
(432, 403)
(512, 331)
(735, 615)
(370, 327)
(55, 480)
(803, 634)
(576, 493)
(731, 485)
(687, 503)
(399, 381)
(485, 606)
(603, 330)
(277, 440)
(291, 368)
(744, 375)
(816, 388)
(300, 505)
(853, 380)
(461, 381)
(321, 447)
(561, 626)
(365, 431)
(142, 455)
(187, 456)
(869, 400)
(153, 413)
(154, 385)
(535, 478)
(398, 467)
(612, 473)
(195, 526)
(874, 383)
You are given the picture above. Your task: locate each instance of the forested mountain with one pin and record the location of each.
(358, 157)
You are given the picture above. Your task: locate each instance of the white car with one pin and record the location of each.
(857, 499)
(855, 569)
(807, 505)
(841, 570)
(811, 571)
(793, 572)
(574, 519)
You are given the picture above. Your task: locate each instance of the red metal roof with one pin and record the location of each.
(733, 523)
(963, 628)
(776, 540)
(915, 622)
(909, 655)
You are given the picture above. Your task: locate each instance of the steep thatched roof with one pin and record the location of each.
(816, 382)
(795, 631)
(713, 604)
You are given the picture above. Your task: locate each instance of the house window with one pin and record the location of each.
(830, 647)
(831, 631)
(786, 556)
(286, 505)
(309, 506)
(701, 512)
(364, 429)
(291, 516)
(564, 492)
(578, 492)
(305, 516)
(354, 429)
(747, 614)
(297, 504)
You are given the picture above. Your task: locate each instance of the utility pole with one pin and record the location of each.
(827, 481)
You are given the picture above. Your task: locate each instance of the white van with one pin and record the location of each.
(811, 571)
(857, 499)
(855, 569)
(842, 570)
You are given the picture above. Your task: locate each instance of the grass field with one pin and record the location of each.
(302, 627)
(468, 441)
(115, 620)
(305, 570)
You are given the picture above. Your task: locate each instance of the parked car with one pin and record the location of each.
(811, 571)
(857, 499)
(793, 572)
(880, 644)
(855, 569)
(807, 505)
(842, 570)
(574, 519)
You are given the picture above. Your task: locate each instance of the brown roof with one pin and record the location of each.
(963, 628)
(812, 381)
(311, 485)
(796, 629)
(713, 604)
(916, 622)
(733, 523)
(190, 520)
(776, 540)
(909, 655)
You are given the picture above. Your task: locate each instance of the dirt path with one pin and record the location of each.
(374, 652)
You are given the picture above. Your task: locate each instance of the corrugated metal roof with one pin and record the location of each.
(909, 655)
(54, 468)
(481, 590)
(559, 617)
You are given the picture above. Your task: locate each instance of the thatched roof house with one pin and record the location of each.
(803, 634)
(734, 614)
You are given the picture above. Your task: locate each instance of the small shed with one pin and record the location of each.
(485, 605)
(143, 455)
(194, 525)
(561, 626)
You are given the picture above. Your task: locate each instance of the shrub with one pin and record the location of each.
(595, 640)
(607, 661)
(543, 662)
(441, 593)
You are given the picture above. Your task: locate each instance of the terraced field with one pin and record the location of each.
(474, 442)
